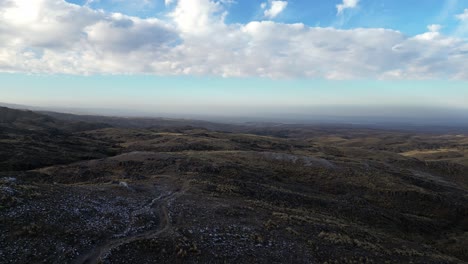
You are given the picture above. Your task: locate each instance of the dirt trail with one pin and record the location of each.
(101, 252)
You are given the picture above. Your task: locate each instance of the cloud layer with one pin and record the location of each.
(53, 36)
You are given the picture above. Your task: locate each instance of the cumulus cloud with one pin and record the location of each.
(275, 8)
(125, 34)
(434, 27)
(463, 16)
(52, 36)
(345, 5)
(198, 16)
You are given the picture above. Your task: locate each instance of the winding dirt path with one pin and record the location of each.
(101, 252)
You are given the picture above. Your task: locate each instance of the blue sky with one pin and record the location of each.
(233, 57)
(409, 16)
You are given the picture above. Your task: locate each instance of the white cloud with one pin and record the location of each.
(197, 16)
(276, 8)
(345, 5)
(433, 33)
(434, 28)
(52, 36)
(463, 16)
(462, 29)
(125, 34)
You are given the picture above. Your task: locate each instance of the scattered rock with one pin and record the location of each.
(123, 184)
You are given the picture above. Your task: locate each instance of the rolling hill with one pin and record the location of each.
(154, 191)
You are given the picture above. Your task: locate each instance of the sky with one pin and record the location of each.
(237, 57)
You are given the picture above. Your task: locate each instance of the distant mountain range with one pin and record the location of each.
(409, 118)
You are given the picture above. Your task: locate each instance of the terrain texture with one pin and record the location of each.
(77, 189)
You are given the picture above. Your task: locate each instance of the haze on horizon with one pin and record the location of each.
(296, 61)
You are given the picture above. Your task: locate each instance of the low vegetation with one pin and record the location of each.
(127, 193)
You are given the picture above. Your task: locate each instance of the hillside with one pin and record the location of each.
(139, 122)
(173, 193)
(30, 140)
